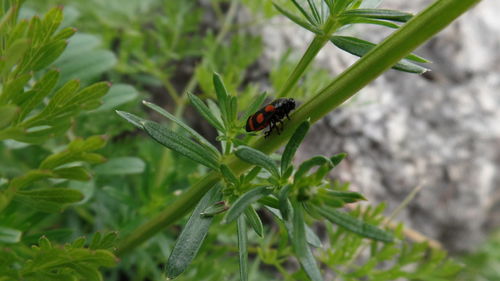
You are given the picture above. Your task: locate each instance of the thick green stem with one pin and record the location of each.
(395, 47)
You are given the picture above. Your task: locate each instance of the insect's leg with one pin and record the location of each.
(268, 133)
(286, 114)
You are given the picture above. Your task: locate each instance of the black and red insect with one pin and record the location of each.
(270, 115)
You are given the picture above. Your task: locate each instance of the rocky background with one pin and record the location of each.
(440, 130)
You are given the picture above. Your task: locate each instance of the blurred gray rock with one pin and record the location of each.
(440, 130)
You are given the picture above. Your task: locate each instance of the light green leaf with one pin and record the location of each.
(309, 164)
(183, 125)
(254, 220)
(48, 199)
(293, 145)
(353, 224)
(48, 54)
(258, 158)
(205, 112)
(7, 114)
(229, 175)
(131, 118)
(245, 201)
(121, 166)
(181, 144)
(73, 173)
(10, 235)
(300, 246)
(189, 242)
(242, 248)
(360, 47)
(378, 14)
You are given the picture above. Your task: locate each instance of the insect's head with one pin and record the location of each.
(290, 103)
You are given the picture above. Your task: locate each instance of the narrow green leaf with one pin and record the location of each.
(64, 33)
(378, 14)
(229, 175)
(296, 19)
(354, 20)
(205, 112)
(353, 224)
(233, 109)
(7, 114)
(13, 89)
(87, 97)
(252, 174)
(300, 246)
(312, 238)
(73, 173)
(284, 203)
(215, 209)
(189, 242)
(293, 145)
(133, 119)
(183, 125)
(244, 201)
(121, 166)
(181, 144)
(222, 98)
(96, 239)
(48, 54)
(242, 248)
(258, 158)
(254, 220)
(346, 196)
(309, 164)
(337, 158)
(360, 47)
(58, 195)
(41, 89)
(13, 55)
(10, 235)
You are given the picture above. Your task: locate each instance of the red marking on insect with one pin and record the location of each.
(270, 115)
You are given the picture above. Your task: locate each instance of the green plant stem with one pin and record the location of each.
(391, 50)
(316, 45)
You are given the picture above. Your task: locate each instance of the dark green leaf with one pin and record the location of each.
(181, 144)
(300, 246)
(121, 166)
(353, 224)
(253, 107)
(354, 20)
(189, 242)
(183, 125)
(254, 220)
(284, 203)
(49, 199)
(73, 173)
(258, 158)
(242, 248)
(205, 112)
(133, 119)
(360, 47)
(337, 158)
(378, 14)
(244, 201)
(293, 145)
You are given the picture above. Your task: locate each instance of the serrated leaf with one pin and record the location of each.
(242, 248)
(353, 224)
(183, 125)
(244, 201)
(378, 14)
(205, 112)
(300, 245)
(254, 220)
(293, 145)
(360, 47)
(10, 235)
(132, 119)
(181, 144)
(121, 166)
(192, 236)
(258, 158)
